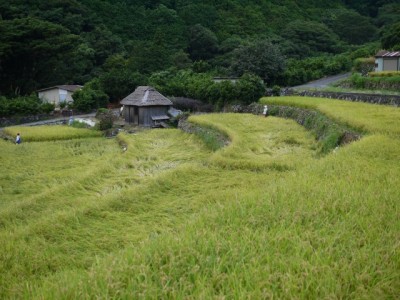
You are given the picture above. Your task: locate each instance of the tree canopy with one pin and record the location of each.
(44, 43)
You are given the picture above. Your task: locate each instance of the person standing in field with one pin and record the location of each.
(265, 112)
(18, 139)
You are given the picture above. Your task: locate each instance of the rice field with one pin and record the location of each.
(369, 118)
(159, 215)
(51, 133)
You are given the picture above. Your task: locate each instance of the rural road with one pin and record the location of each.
(55, 120)
(323, 82)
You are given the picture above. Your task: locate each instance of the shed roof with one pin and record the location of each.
(70, 88)
(384, 53)
(146, 96)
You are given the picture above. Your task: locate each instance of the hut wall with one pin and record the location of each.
(131, 114)
(146, 112)
(390, 64)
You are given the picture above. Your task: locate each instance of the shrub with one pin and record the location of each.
(276, 90)
(247, 89)
(47, 107)
(88, 98)
(27, 105)
(384, 74)
(300, 71)
(364, 65)
(77, 124)
(106, 119)
(188, 104)
(374, 82)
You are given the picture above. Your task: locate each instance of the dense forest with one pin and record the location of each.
(112, 46)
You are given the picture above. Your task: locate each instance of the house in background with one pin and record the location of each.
(387, 61)
(146, 107)
(58, 94)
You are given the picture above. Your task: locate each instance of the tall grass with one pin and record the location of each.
(50, 133)
(267, 143)
(369, 118)
(162, 216)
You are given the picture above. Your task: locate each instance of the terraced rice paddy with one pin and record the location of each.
(265, 217)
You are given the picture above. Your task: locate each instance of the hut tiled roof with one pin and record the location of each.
(384, 53)
(145, 96)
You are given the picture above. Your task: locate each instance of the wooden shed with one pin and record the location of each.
(387, 61)
(146, 107)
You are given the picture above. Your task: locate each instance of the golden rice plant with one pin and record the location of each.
(158, 215)
(50, 133)
(258, 143)
(371, 118)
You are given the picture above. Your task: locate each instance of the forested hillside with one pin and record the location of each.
(117, 44)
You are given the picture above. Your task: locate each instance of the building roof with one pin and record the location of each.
(384, 53)
(69, 88)
(145, 96)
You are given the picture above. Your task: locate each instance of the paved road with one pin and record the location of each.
(323, 82)
(55, 120)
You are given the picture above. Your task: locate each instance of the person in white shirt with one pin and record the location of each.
(265, 112)
(18, 139)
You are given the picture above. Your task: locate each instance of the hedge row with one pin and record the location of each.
(384, 74)
(22, 106)
(372, 83)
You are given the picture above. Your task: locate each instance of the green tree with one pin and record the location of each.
(261, 58)
(310, 38)
(105, 43)
(203, 14)
(250, 88)
(203, 43)
(350, 26)
(117, 84)
(391, 37)
(389, 14)
(90, 97)
(164, 24)
(32, 52)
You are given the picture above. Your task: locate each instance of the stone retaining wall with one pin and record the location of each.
(221, 139)
(10, 121)
(357, 97)
(16, 120)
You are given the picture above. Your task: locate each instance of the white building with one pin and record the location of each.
(58, 94)
(387, 61)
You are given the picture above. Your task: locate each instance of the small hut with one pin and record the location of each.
(146, 107)
(387, 61)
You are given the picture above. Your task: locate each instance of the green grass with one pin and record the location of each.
(168, 218)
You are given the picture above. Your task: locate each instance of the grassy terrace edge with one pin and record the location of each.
(362, 117)
(333, 122)
(328, 133)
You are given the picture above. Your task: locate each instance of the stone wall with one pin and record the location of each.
(218, 139)
(16, 120)
(357, 97)
(10, 121)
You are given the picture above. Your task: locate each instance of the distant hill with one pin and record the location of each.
(43, 43)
